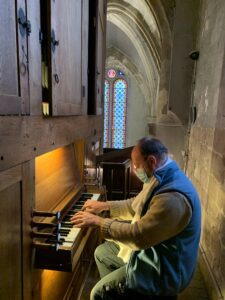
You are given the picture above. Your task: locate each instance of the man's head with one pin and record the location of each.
(148, 155)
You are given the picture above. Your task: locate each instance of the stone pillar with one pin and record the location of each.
(184, 41)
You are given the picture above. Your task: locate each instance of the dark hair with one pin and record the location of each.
(148, 145)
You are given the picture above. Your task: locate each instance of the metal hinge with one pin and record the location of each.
(24, 24)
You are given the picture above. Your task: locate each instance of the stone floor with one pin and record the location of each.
(195, 291)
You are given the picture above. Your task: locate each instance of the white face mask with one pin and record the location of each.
(141, 174)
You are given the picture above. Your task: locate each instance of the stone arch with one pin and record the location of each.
(158, 10)
(141, 22)
(116, 58)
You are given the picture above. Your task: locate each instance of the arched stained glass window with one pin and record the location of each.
(106, 114)
(115, 111)
(119, 105)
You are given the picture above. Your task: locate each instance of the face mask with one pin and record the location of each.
(141, 174)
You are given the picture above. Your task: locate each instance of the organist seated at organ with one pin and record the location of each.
(152, 239)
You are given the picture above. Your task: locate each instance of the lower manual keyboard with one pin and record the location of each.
(68, 232)
(71, 241)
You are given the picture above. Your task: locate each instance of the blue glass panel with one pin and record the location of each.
(119, 114)
(120, 73)
(106, 115)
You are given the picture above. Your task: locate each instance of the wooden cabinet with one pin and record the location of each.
(34, 55)
(44, 57)
(66, 59)
(52, 52)
(96, 60)
(73, 54)
(15, 258)
(116, 178)
(85, 38)
(14, 31)
(118, 173)
(11, 245)
(61, 29)
(100, 58)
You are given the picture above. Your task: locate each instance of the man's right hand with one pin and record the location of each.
(95, 207)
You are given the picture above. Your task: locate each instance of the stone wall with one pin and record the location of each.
(184, 42)
(137, 113)
(206, 163)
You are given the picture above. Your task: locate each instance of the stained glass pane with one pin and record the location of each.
(111, 73)
(106, 115)
(120, 73)
(119, 114)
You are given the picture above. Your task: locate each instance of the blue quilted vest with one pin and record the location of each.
(167, 268)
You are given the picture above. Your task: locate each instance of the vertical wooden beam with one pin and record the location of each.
(34, 52)
(27, 206)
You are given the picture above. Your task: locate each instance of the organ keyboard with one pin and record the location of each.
(58, 247)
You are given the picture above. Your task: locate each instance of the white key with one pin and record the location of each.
(72, 234)
(67, 244)
(95, 197)
(71, 237)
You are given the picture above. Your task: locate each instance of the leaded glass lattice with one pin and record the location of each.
(119, 106)
(106, 114)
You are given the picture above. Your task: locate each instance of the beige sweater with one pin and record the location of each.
(167, 215)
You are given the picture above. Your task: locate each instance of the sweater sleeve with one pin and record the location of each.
(168, 214)
(122, 209)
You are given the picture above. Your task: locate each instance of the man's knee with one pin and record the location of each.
(99, 251)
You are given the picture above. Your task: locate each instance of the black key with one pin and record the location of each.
(67, 224)
(66, 219)
(87, 195)
(63, 233)
(71, 214)
(81, 201)
(64, 230)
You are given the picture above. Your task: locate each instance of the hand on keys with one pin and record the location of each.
(85, 219)
(95, 207)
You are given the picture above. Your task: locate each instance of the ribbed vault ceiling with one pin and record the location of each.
(134, 35)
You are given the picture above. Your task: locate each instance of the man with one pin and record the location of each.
(152, 238)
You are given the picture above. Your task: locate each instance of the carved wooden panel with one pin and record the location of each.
(66, 68)
(11, 234)
(34, 136)
(96, 63)
(100, 58)
(14, 59)
(85, 25)
(34, 50)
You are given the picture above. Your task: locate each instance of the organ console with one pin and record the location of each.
(57, 243)
(60, 193)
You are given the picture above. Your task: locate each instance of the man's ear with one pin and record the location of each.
(152, 159)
